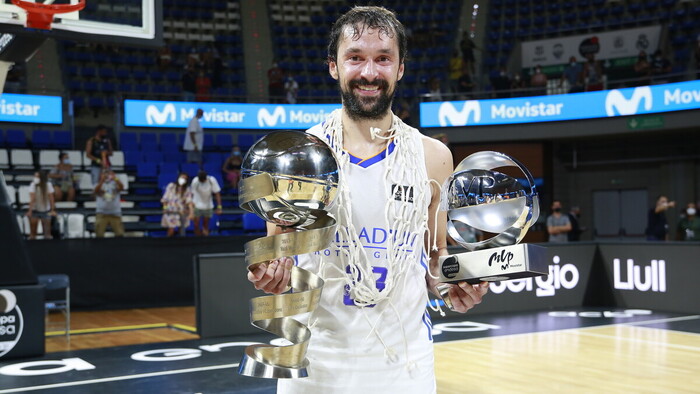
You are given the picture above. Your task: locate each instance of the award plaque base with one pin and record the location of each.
(252, 366)
(495, 264)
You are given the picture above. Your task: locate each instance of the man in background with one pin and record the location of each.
(98, 149)
(194, 140)
(203, 187)
(108, 209)
(558, 224)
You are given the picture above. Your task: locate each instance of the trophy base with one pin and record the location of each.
(256, 368)
(495, 264)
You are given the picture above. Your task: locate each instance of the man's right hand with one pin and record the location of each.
(272, 277)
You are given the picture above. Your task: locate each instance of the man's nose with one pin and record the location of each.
(369, 71)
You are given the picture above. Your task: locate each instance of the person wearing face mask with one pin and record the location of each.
(657, 225)
(232, 167)
(573, 74)
(108, 209)
(178, 208)
(62, 175)
(98, 149)
(689, 226)
(203, 187)
(558, 224)
(538, 82)
(41, 205)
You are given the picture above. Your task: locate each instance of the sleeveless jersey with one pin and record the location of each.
(386, 347)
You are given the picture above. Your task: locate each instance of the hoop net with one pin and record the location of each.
(40, 15)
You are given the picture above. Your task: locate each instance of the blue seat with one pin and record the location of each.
(15, 139)
(174, 156)
(168, 137)
(169, 168)
(132, 158)
(245, 141)
(41, 139)
(169, 146)
(2, 138)
(149, 138)
(190, 169)
(62, 139)
(152, 156)
(209, 143)
(147, 172)
(164, 180)
(128, 145)
(253, 224)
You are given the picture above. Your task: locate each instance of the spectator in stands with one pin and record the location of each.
(291, 87)
(62, 175)
(538, 82)
(558, 224)
(642, 69)
(203, 85)
(466, 83)
(467, 47)
(592, 74)
(193, 59)
(194, 140)
(573, 74)
(165, 57)
(275, 80)
(41, 205)
(501, 83)
(660, 65)
(178, 208)
(434, 92)
(98, 149)
(576, 229)
(456, 63)
(657, 225)
(517, 85)
(217, 68)
(189, 84)
(203, 187)
(689, 225)
(232, 167)
(109, 209)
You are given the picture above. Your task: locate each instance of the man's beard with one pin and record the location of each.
(373, 108)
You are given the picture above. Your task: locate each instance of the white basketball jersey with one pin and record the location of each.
(382, 348)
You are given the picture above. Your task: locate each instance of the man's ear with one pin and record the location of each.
(401, 70)
(333, 69)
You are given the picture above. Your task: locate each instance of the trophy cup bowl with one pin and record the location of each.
(479, 198)
(290, 179)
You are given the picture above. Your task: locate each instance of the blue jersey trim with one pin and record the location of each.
(364, 163)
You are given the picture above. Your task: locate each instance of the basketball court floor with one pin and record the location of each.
(567, 351)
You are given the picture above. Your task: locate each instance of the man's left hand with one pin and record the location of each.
(465, 296)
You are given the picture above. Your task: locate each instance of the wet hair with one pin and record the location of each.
(367, 17)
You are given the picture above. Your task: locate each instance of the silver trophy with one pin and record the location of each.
(479, 199)
(290, 179)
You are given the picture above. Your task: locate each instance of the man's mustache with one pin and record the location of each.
(381, 83)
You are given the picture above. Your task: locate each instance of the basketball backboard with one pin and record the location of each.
(125, 22)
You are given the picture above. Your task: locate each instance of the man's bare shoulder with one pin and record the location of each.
(436, 153)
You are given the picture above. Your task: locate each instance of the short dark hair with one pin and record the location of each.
(367, 17)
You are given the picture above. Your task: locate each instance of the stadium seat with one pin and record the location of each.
(22, 159)
(152, 156)
(12, 193)
(62, 139)
(224, 142)
(253, 224)
(2, 138)
(149, 138)
(76, 159)
(48, 159)
(15, 139)
(168, 138)
(190, 169)
(132, 158)
(117, 160)
(41, 139)
(245, 141)
(147, 172)
(4, 159)
(170, 169)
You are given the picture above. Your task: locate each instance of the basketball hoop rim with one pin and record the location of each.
(39, 8)
(40, 16)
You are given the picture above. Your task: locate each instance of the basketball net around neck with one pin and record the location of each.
(406, 179)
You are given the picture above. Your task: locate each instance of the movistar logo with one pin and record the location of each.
(154, 115)
(265, 118)
(449, 116)
(615, 101)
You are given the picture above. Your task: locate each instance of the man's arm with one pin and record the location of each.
(439, 165)
(88, 150)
